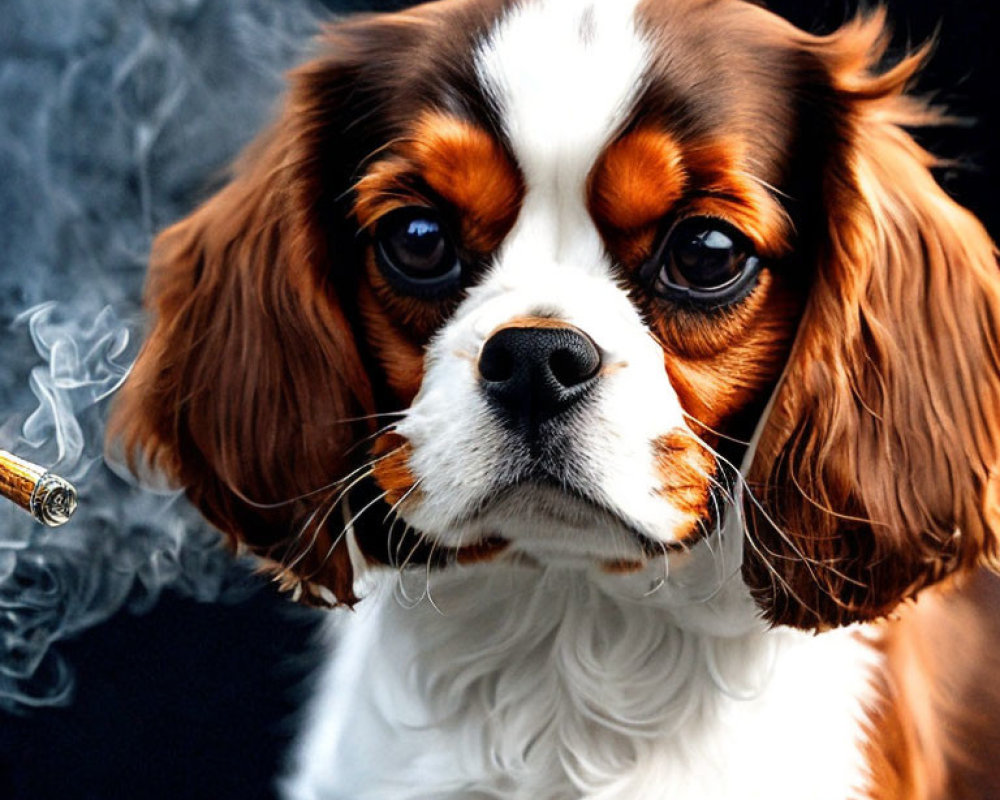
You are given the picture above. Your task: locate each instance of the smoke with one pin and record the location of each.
(115, 115)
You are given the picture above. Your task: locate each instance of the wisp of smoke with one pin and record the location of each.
(115, 115)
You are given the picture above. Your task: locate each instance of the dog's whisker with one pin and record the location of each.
(385, 429)
(344, 485)
(421, 538)
(360, 475)
(300, 550)
(343, 532)
(394, 508)
(810, 563)
(428, 593)
(311, 492)
(377, 415)
(393, 514)
(713, 431)
(660, 582)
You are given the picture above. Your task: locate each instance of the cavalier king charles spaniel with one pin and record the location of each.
(624, 368)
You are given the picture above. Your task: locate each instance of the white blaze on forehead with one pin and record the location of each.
(564, 75)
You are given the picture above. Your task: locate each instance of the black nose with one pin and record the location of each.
(530, 375)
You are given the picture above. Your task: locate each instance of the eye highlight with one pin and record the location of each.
(704, 261)
(416, 254)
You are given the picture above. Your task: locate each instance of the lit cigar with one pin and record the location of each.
(47, 497)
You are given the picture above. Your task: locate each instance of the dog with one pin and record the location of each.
(624, 368)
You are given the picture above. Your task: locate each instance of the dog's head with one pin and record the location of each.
(534, 275)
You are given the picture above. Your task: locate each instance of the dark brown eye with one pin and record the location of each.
(416, 254)
(705, 261)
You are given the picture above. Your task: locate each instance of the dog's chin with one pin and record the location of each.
(554, 526)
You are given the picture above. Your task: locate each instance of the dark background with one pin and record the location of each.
(195, 700)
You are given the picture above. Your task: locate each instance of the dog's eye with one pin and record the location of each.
(706, 261)
(415, 253)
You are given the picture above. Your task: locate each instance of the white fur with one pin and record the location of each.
(564, 74)
(526, 683)
(541, 677)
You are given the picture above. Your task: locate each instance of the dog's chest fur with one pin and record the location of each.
(521, 684)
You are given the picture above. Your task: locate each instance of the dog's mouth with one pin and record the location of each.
(544, 517)
(535, 517)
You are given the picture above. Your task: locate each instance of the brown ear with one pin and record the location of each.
(876, 467)
(245, 388)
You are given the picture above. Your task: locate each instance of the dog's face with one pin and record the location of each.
(581, 254)
(584, 259)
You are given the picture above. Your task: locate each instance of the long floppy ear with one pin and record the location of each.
(246, 385)
(876, 468)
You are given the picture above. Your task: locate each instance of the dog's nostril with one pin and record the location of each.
(496, 363)
(576, 363)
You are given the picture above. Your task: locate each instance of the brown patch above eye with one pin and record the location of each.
(648, 177)
(638, 180)
(633, 186)
(456, 161)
